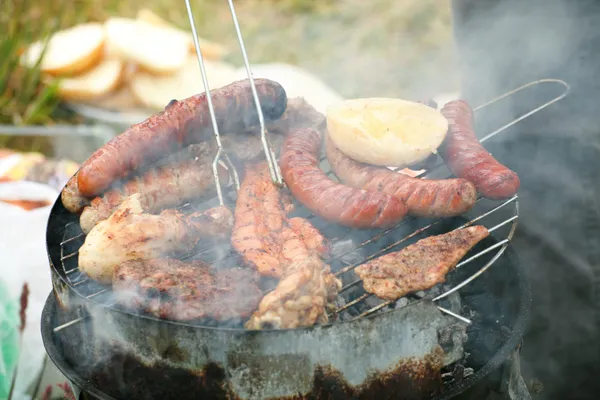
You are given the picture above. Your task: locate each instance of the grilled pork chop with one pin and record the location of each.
(130, 234)
(419, 266)
(262, 234)
(290, 249)
(176, 290)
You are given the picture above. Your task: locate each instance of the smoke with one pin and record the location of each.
(501, 46)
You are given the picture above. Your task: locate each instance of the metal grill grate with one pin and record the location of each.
(495, 215)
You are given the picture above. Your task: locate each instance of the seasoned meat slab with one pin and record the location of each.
(262, 234)
(290, 249)
(176, 290)
(419, 266)
(130, 234)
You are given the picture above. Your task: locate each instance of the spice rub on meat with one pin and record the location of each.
(176, 290)
(419, 266)
(130, 233)
(290, 249)
(262, 234)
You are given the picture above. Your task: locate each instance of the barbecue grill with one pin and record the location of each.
(433, 344)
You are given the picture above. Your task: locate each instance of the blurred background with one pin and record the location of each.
(60, 99)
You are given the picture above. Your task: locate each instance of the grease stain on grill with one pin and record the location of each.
(407, 380)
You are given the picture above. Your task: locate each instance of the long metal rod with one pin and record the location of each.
(211, 110)
(269, 154)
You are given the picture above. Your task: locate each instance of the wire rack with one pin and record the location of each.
(496, 216)
(509, 210)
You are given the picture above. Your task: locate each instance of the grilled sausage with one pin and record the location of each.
(468, 159)
(188, 176)
(328, 199)
(423, 197)
(70, 197)
(181, 123)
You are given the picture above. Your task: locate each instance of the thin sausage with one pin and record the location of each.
(423, 197)
(71, 198)
(187, 177)
(181, 123)
(331, 200)
(468, 159)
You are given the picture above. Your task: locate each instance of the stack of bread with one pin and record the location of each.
(124, 63)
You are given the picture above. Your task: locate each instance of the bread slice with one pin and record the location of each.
(210, 50)
(386, 132)
(156, 49)
(156, 92)
(70, 51)
(94, 83)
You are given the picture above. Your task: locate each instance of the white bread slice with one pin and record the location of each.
(156, 92)
(210, 50)
(94, 83)
(70, 51)
(159, 50)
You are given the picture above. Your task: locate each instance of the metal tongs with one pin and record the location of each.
(270, 155)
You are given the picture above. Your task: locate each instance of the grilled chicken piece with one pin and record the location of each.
(279, 247)
(419, 266)
(262, 234)
(130, 234)
(176, 290)
(300, 299)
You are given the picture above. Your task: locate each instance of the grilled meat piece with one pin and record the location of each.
(423, 197)
(182, 177)
(467, 158)
(300, 299)
(262, 234)
(176, 290)
(181, 123)
(419, 266)
(130, 234)
(331, 200)
(279, 247)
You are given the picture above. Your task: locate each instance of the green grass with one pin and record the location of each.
(361, 48)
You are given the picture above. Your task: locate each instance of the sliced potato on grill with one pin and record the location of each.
(385, 131)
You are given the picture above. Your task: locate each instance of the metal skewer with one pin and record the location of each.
(211, 110)
(269, 154)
